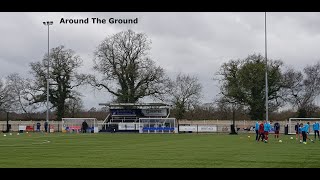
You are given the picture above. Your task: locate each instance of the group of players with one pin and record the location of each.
(264, 127)
(303, 131)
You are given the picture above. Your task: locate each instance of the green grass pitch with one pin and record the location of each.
(153, 150)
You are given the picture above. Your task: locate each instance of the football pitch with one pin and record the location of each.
(121, 150)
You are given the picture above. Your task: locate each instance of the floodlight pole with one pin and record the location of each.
(48, 23)
(266, 61)
(8, 129)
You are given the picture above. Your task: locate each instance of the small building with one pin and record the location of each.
(127, 116)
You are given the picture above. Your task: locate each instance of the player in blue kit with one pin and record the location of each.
(307, 131)
(267, 129)
(316, 130)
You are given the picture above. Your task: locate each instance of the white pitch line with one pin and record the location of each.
(44, 142)
(13, 145)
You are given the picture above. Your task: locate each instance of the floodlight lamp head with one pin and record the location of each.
(48, 23)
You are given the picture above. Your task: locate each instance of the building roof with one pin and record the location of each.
(111, 105)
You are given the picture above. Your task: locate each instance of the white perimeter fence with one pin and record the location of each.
(221, 126)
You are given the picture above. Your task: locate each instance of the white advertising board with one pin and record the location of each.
(22, 128)
(154, 112)
(127, 126)
(207, 128)
(199, 128)
(192, 128)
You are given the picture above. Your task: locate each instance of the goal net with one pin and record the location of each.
(158, 125)
(294, 121)
(75, 125)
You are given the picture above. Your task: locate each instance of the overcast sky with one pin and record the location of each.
(194, 43)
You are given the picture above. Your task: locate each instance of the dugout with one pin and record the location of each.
(74, 125)
(126, 116)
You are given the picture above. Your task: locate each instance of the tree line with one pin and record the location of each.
(123, 67)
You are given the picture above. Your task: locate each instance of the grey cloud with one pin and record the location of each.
(194, 43)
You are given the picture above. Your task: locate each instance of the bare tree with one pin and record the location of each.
(184, 93)
(74, 106)
(227, 106)
(303, 89)
(127, 71)
(20, 90)
(63, 78)
(6, 97)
